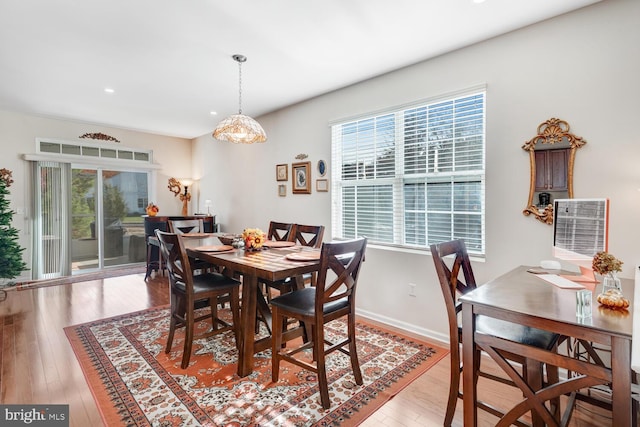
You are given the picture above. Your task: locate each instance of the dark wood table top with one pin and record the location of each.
(521, 292)
(269, 264)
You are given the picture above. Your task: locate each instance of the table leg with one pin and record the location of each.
(468, 361)
(534, 379)
(248, 321)
(621, 384)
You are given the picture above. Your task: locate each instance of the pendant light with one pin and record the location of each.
(239, 128)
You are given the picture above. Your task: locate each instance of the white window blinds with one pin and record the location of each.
(412, 177)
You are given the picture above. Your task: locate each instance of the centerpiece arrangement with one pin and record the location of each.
(607, 266)
(253, 239)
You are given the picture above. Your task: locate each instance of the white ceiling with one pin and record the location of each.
(169, 61)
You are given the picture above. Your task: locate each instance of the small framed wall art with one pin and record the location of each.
(322, 185)
(282, 172)
(282, 190)
(301, 178)
(322, 168)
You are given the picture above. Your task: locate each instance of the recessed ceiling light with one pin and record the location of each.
(478, 1)
(213, 113)
(109, 90)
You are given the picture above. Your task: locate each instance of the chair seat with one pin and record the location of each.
(210, 281)
(303, 302)
(516, 333)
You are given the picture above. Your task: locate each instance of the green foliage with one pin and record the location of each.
(82, 206)
(11, 264)
(114, 205)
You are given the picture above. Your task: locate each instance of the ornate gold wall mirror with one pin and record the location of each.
(552, 153)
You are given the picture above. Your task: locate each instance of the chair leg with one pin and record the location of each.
(275, 345)
(175, 306)
(353, 352)
(454, 386)
(172, 329)
(213, 304)
(188, 338)
(318, 350)
(149, 262)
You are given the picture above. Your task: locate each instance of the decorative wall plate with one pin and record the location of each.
(322, 168)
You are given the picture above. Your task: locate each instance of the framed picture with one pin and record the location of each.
(322, 185)
(282, 190)
(301, 177)
(322, 167)
(282, 172)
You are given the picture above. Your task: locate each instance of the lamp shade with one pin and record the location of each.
(239, 128)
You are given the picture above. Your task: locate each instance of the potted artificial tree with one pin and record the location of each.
(11, 263)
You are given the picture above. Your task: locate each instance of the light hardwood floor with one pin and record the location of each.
(38, 365)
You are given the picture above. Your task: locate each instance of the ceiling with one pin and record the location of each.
(169, 61)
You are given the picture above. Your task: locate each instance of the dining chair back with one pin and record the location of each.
(303, 235)
(333, 297)
(281, 231)
(189, 292)
(456, 278)
(190, 226)
(309, 235)
(186, 226)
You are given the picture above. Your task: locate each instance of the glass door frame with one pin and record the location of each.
(67, 157)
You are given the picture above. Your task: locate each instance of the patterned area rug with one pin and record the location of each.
(136, 384)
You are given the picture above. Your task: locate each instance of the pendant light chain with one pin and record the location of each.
(240, 87)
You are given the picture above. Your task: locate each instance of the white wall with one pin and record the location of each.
(582, 67)
(18, 133)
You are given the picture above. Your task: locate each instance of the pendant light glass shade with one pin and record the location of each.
(239, 128)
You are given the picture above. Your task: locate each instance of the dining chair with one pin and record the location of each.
(186, 226)
(189, 291)
(281, 231)
(190, 226)
(333, 297)
(456, 277)
(303, 235)
(309, 235)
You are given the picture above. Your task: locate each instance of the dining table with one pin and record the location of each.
(522, 297)
(269, 264)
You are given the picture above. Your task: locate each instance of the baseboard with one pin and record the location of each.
(422, 332)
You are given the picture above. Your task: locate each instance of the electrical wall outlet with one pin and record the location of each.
(412, 289)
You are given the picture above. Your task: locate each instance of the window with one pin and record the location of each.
(412, 177)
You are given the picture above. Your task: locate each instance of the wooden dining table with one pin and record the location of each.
(271, 264)
(520, 297)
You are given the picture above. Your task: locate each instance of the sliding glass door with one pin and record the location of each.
(84, 217)
(88, 218)
(124, 198)
(107, 208)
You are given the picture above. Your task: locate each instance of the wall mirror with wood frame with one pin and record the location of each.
(552, 154)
